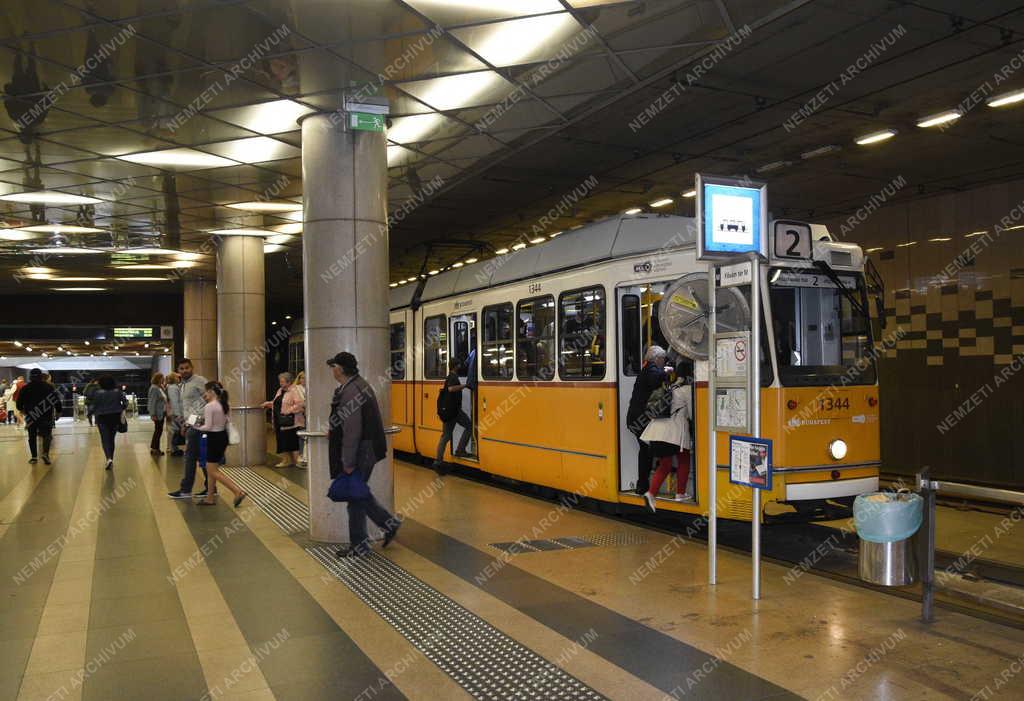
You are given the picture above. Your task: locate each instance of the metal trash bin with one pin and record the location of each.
(886, 523)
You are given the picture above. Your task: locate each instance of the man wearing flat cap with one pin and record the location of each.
(357, 442)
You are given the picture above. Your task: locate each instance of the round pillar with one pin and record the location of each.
(242, 343)
(345, 289)
(200, 316)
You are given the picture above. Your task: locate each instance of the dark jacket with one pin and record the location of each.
(356, 435)
(108, 401)
(649, 379)
(39, 403)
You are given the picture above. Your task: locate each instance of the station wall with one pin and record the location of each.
(952, 388)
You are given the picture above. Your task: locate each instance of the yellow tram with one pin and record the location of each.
(550, 401)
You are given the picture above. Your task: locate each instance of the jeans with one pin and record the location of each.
(44, 430)
(357, 513)
(191, 458)
(108, 424)
(449, 431)
(177, 440)
(158, 431)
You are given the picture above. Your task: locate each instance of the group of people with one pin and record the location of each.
(660, 415)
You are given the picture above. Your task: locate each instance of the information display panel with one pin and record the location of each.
(732, 216)
(750, 461)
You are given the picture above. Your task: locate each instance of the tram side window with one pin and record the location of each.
(497, 348)
(632, 356)
(435, 347)
(397, 369)
(535, 338)
(581, 316)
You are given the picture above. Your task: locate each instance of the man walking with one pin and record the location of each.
(356, 441)
(39, 403)
(192, 403)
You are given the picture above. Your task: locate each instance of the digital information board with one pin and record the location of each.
(732, 215)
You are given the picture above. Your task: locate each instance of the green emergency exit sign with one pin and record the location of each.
(364, 121)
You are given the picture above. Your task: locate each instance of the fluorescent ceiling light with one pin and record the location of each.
(267, 117)
(633, 210)
(519, 246)
(501, 251)
(241, 232)
(145, 266)
(662, 202)
(399, 155)
(433, 272)
(1014, 228)
(177, 158)
(470, 261)
(452, 92)
(519, 41)
(449, 12)
(141, 279)
(416, 127)
(79, 289)
(150, 251)
(49, 197)
(256, 149)
(908, 243)
(539, 239)
(38, 270)
(288, 228)
(821, 151)
(557, 233)
(182, 264)
(279, 239)
(1008, 98)
(273, 247)
(875, 137)
(16, 235)
(940, 118)
(40, 276)
(690, 193)
(65, 250)
(266, 206)
(458, 264)
(975, 233)
(872, 250)
(393, 284)
(940, 239)
(774, 165)
(62, 229)
(76, 279)
(188, 255)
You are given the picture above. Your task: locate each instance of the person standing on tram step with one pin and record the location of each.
(670, 438)
(39, 403)
(356, 441)
(193, 387)
(213, 428)
(109, 404)
(156, 405)
(449, 410)
(289, 405)
(651, 376)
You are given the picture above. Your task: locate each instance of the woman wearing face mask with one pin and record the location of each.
(214, 430)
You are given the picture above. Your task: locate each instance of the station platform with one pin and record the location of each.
(110, 590)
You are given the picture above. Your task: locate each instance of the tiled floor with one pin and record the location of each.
(109, 590)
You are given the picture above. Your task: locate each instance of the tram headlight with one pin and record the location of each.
(837, 449)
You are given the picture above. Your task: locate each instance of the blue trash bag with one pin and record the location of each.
(887, 517)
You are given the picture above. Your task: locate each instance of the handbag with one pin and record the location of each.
(349, 487)
(285, 420)
(234, 437)
(123, 426)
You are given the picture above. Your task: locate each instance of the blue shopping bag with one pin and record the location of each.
(349, 487)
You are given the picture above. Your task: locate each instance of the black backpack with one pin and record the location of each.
(446, 409)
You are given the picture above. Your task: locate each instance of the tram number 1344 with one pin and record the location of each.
(833, 403)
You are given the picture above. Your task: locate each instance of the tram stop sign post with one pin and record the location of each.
(732, 237)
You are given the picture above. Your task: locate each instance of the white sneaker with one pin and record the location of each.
(649, 498)
(683, 497)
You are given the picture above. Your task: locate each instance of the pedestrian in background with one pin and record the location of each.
(289, 406)
(13, 404)
(174, 418)
(193, 403)
(300, 383)
(87, 392)
(356, 441)
(156, 404)
(39, 402)
(109, 405)
(213, 428)
(449, 410)
(10, 404)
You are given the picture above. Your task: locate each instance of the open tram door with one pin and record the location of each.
(462, 335)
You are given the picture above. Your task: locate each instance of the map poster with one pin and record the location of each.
(731, 409)
(750, 461)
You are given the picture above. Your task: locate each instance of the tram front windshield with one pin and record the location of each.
(821, 327)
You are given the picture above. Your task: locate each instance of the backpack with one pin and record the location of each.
(445, 406)
(659, 404)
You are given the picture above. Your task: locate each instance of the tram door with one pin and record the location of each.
(638, 331)
(464, 349)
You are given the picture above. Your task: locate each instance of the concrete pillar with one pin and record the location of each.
(242, 342)
(345, 286)
(201, 326)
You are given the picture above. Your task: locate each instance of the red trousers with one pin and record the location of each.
(665, 466)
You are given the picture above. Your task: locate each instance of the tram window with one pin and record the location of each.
(397, 369)
(435, 347)
(581, 316)
(632, 356)
(497, 346)
(535, 339)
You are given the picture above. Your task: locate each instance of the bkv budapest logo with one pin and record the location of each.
(641, 268)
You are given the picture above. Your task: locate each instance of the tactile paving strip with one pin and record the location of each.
(289, 513)
(569, 542)
(484, 661)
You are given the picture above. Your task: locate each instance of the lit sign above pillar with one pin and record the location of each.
(732, 217)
